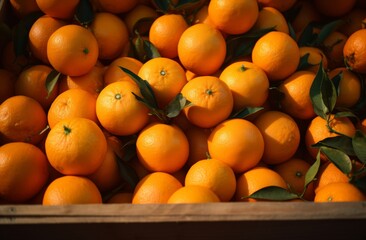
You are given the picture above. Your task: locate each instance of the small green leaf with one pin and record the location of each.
(51, 81)
(342, 143)
(127, 173)
(273, 193)
(345, 114)
(326, 30)
(245, 112)
(176, 105)
(337, 80)
(308, 36)
(84, 13)
(312, 171)
(163, 6)
(359, 145)
(143, 49)
(339, 158)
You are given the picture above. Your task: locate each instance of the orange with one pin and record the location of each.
(339, 192)
(72, 50)
(118, 110)
(280, 5)
(111, 34)
(329, 173)
(76, 146)
(277, 54)
(233, 17)
(92, 82)
(215, 175)
(138, 15)
(270, 17)
(121, 197)
(22, 119)
(333, 46)
(23, 171)
(248, 83)
(256, 179)
(23, 7)
(166, 78)
(165, 33)
(117, 6)
(68, 190)
(212, 101)
(349, 89)
(201, 16)
(293, 171)
(315, 56)
(39, 34)
(162, 147)
(58, 9)
(193, 194)
(334, 8)
(202, 49)
(318, 130)
(354, 51)
(296, 99)
(7, 84)
(31, 82)
(238, 143)
(281, 136)
(306, 15)
(72, 103)
(353, 21)
(155, 188)
(114, 73)
(198, 146)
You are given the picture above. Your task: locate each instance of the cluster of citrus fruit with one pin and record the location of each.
(144, 101)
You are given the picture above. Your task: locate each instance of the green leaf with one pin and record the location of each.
(339, 158)
(360, 183)
(127, 173)
(326, 30)
(342, 143)
(308, 36)
(143, 49)
(21, 32)
(359, 145)
(337, 80)
(163, 6)
(345, 114)
(323, 93)
(176, 105)
(84, 13)
(245, 112)
(51, 81)
(273, 193)
(312, 171)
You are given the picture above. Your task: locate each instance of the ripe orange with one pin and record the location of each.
(118, 110)
(121, 197)
(270, 17)
(22, 119)
(116, 6)
(334, 8)
(248, 83)
(238, 143)
(215, 175)
(24, 7)
(281, 136)
(156, 187)
(111, 34)
(76, 146)
(280, 5)
(71, 190)
(72, 50)
(92, 82)
(317, 130)
(277, 54)
(349, 89)
(113, 73)
(293, 171)
(162, 147)
(140, 12)
(296, 99)
(329, 173)
(201, 16)
(333, 46)
(354, 51)
(58, 9)
(339, 192)
(198, 146)
(72, 103)
(211, 98)
(233, 17)
(315, 56)
(256, 179)
(193, 194)
(165, 33)
(166, 78)
(23, 171)
(31, 82)
(202, 49)
(7, 84)
(39, 34)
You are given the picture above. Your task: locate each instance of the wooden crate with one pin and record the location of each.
(262, 220)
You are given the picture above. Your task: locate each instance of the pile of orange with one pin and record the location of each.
(145, 101)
